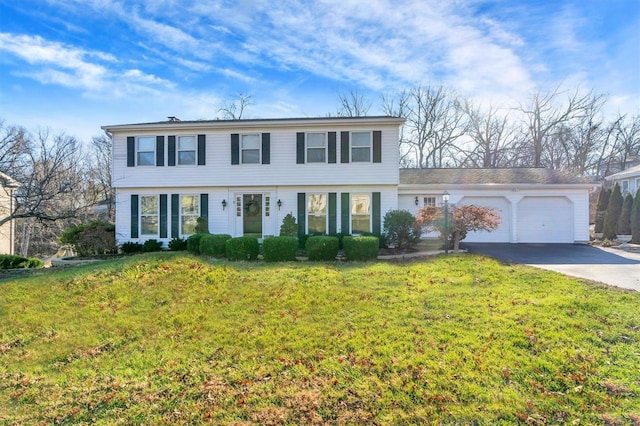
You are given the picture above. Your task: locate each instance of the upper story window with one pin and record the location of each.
(360, 146)
(430, 201)
(360, 213)
(317, 213)
(316, 147)
(146, 151)
(250, 149)
(189, 212)
(149, 215)
(187, 150)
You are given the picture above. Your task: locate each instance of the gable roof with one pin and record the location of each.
(504, 176)
(7, 181)
(630, 172)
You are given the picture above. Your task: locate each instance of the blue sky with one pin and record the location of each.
(74, 65)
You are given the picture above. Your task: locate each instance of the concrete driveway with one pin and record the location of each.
(607, 265)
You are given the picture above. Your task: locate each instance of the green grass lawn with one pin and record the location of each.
(175, 339)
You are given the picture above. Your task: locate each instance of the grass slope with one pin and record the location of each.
(172, 339)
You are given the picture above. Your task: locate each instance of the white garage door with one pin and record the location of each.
(545, 220)
(500, 235)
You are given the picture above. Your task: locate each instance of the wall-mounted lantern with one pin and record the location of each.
(224, 204)
(279, 203)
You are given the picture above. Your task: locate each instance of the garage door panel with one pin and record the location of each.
(545, 220)
(503, 207)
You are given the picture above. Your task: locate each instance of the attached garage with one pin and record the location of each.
(503, 207)
(545, 220)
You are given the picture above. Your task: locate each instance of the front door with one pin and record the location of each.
(252, 215)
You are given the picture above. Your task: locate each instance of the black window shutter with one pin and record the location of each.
(266, 148)
(333, 219)
(204, 206)
(300, 148)
(131, 151)
(375, 213)
(345, 217)
(163, 215)
(159, 150)
(175, 215)
(377, 146)
(344, 147)
(302, 214)
(171, 161)
(202, 150)
(332, 147)
(134, 216)
(235, 148)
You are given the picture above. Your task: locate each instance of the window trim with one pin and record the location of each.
(370, 147)
(141, 215)
(242, 149)
(435, 201)
(153, 151)
(308, 213)
(624, 191)
(352, 214)
(195, 150)
(181, 215)
(324, 148)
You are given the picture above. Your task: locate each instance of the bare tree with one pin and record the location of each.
(234, 109)
(14, 144)
(397, 105)
(543, 117)
(99, 173)
(352, 104)
(492, 136)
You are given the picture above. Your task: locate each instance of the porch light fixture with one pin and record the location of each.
(417, 201)
(279, 203)
(224, 204)
(445, 198)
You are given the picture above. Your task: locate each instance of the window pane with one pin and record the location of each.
(189, 204)
(317, 204)
(315, 140)
(360, 213)
(147, 143)
(360, 154)
(149, 205)
(149, 225)
(315, 155)
(360, 204)
(189, 225)
(146, 158)
(361, 139)
(186, 157)
(251, 156)
(250, 142)
(360, 224)
(187, 143)
(318, 224)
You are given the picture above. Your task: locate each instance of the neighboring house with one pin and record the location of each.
(7, 230)
(333, 174)
(629, 180)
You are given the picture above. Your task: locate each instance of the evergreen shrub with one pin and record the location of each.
(624, 222)
(613, 214)
(361, 247)
(151, 246)
(280, 249)
(242, 248)
(177, 244)
(10, 261)
(193, 243)
(131, 247)
(322, 247)
(214, 245)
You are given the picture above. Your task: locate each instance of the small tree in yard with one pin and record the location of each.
(463, 219)
(624, 223)
(400, 229)
(613, 214)
(601, 209)
(289, 228)
(635, 219)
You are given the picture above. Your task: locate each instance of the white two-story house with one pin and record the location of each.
(332, 174)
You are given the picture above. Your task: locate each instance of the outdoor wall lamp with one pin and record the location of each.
(416, 201)
(224, 204)
(279, 203)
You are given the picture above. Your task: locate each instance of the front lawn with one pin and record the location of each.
(174, 339)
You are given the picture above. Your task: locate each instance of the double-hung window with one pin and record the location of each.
(146, 151)
(429, 201)
(317, 213)
(149, 215)
(189, 212)
(186, 150)
(250, 149)
(360, 213)
(360, 146)
(316, 147)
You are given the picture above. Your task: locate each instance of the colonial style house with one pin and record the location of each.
(333, 175)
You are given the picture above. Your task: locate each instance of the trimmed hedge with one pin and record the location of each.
(361, 248)
(193, 243)
(131, 247)
(322, 247)
(10, 261)
(151, 246)
(280, 249)
(242, 248)
(214, 244)
(177, 244)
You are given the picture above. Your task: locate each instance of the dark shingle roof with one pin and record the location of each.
(487, 176)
